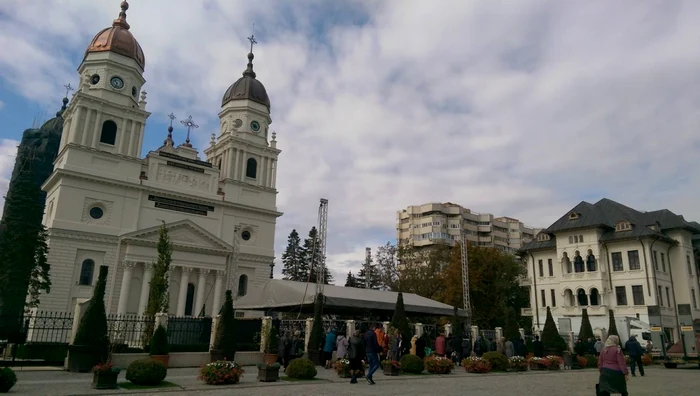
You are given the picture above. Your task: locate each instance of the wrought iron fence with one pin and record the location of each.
(134, 331)
(292, 326)
(190, 332)
(488, 334)
(337, 325)
(48, 327)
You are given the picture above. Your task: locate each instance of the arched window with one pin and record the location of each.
(251, 168)
(590, 261)
(243, 285)
(580, 238)
(575, 238)
(571, 239)
(86, 271)
(595, 297)
(578, 262)
(109, 133)
(569, 298)
(566, 262)
(189, 302)
(582, 298)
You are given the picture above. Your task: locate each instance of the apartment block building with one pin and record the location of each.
(608, 256)
(441, 223)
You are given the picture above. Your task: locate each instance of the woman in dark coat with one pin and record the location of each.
(356, 353)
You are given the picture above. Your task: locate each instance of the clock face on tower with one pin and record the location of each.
(116, 83)
(255, 126)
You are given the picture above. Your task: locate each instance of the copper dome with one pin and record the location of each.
(247, 87)
(118, 39)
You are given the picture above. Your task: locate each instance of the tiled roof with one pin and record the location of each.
(605, 214)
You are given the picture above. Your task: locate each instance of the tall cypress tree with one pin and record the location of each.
(317, 328)
(294, 264)
(400, 322)
(586, 331)
(551, 338)
(612, 326)
(158, 298)
(92, 328)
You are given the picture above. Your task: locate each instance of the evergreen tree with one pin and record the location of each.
(317, 328)
(374, 279)
(551, 338)
(586, 331)
(92, 328)
(350, 281)
(294, 265)
(612, 326)
(400, 322)
(225, 334)
(158, 289)
(311, 257)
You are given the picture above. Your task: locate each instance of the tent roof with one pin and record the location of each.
(278, 294)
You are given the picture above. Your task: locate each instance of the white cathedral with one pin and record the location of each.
(105, 203)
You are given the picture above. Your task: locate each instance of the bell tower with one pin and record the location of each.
(246, 151)
(108, 111)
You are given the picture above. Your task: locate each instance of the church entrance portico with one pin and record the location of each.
(198, 270)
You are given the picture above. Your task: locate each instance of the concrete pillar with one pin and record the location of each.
(145, 287)
(266, 326)
(218, 283)
(126, 287)
(212, 336)
(499, 333)
(201, 285)
(161, 320)
(448, 329)
(350, 325)
(386, 327)
(475, 333)
(571, 341)
(522, 333)
(182, 294)
(78, 312)
(418, 329)
(307, 332)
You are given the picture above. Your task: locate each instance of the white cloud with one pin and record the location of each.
(2, 104)
(8, 151)
(515, 108)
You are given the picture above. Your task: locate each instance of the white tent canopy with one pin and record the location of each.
(279, 295)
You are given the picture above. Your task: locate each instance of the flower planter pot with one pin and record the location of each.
(269, 358)
(391, 371)
(105, 379)
(162, 358)
(268, 374)
(82, 358)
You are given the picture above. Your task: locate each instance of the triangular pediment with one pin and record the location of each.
(181, 233)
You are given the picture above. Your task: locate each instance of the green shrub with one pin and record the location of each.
(301, 368)
(146, 372)
(316, 335)
(586, 331)
(412, 364)
(553, 342)
(7, 379)
(159, 342)
(497, 360)
(225, 335)
(400, 322)
(92, 328)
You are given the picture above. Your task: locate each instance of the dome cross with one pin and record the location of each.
(189, 123)
(68, 89)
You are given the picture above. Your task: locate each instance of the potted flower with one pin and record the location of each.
(475, 364)
(159, 346)
(438, 365)
(554, 362)
(538, 363)
(582, 361)
(104, 376)
(391, 367)
(222, 372)
(517, 363)
(8, 379)
(270, 335)
(91, 342)
(268, 372)
(224, 347)
(342, 367)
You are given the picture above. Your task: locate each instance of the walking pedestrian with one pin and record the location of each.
(372, 350)
(356, 353)
(634, 349)
(613, 369)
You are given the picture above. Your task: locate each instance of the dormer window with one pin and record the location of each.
(542, 237)
(623, 226)
(573, 216)
(654, 227)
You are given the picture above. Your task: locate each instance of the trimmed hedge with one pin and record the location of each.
(412, 364)
(497, 360)
(301, 368)
(146, 372)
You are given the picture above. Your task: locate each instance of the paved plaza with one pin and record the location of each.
(657, 382)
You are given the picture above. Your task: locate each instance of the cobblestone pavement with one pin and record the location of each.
(657, 382)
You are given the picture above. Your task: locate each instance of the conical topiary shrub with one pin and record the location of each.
(586, 331)
(91, 342)
(314, 347)
(612, 326)
(554, 343)
(400, 322)
(225, 335)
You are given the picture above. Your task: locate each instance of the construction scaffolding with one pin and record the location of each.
(321, 243)
(465, 278)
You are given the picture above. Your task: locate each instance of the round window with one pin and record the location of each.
(96, 212)
(245, 235)
(95, 79)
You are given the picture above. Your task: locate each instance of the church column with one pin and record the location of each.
(182, 294)
(216, 305)
(201, 285)
(126, 287)
(268, 180)
(84, 135)
(274, 174)
(96, 130)
(236, 163)
(145, 287)
(140, 141)
(122, 136)
(226, 164)
(73, 130)
(243, 164)
(130, 147)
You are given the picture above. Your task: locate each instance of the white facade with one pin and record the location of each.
(615, 265)
(105, 204)
(433, 223)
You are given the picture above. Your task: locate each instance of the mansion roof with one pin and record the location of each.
(607, 214)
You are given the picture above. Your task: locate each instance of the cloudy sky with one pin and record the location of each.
(518, 108)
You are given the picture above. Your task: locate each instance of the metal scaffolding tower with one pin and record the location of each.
(321, 245)
(465, 279)
(368, 267)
